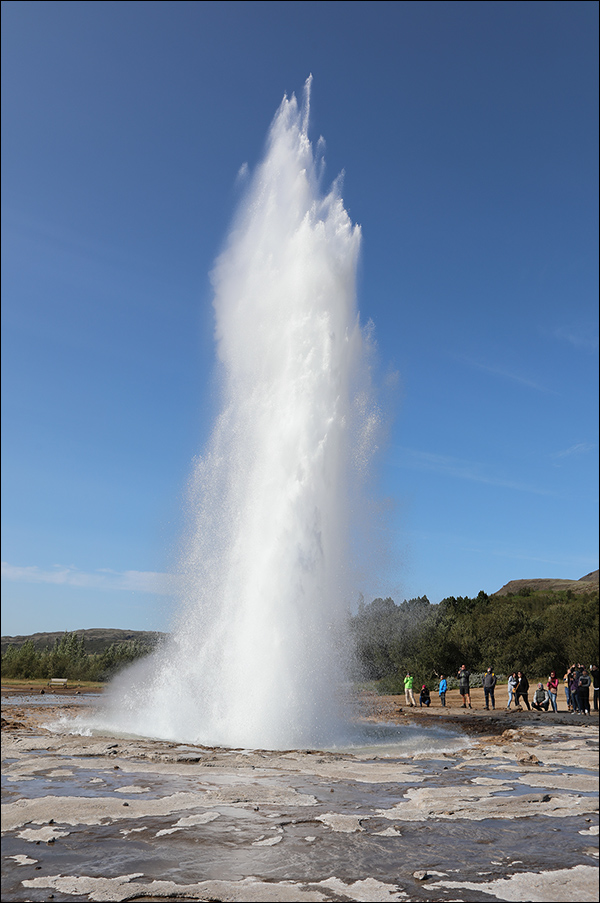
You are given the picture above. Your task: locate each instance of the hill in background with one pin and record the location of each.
(583, 585)
(97, 639)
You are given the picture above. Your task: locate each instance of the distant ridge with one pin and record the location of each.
(592, 577)
(97, 639)
(583, 585)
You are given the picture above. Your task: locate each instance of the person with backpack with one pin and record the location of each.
(489, 682)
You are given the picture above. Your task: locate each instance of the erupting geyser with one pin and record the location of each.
(257, 653)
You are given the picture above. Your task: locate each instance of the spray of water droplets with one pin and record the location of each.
(257, 655)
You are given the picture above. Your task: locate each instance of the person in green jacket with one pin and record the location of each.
(408, 689)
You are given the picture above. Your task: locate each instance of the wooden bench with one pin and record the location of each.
(57, 682)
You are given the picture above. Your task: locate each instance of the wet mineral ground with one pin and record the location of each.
(454, 807)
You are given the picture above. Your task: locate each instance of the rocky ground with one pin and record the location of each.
(479, 806)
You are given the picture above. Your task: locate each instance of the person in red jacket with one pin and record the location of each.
(552, 687)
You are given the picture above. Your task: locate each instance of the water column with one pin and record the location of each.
(257, 651)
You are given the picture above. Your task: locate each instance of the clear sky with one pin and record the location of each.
(468, 137)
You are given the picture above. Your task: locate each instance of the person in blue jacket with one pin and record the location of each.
(443, 689)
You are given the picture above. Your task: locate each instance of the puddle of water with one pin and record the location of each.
(363, 740)
(51, 699)
(388, 740)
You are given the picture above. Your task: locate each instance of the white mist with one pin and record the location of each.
(257, 653)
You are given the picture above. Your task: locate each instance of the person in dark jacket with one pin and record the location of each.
(583, 694)
(522, 690)
(541, 699)
(595, 675)
(424, 696)
(489, 682)
(463, 686)
(574, 690)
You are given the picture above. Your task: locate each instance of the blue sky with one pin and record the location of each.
(468, 137)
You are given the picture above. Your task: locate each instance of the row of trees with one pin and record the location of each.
(68, 658)
(532, 631)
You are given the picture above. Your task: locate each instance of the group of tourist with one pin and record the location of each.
(578, 683)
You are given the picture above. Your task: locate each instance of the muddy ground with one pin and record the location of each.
(478, 806)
